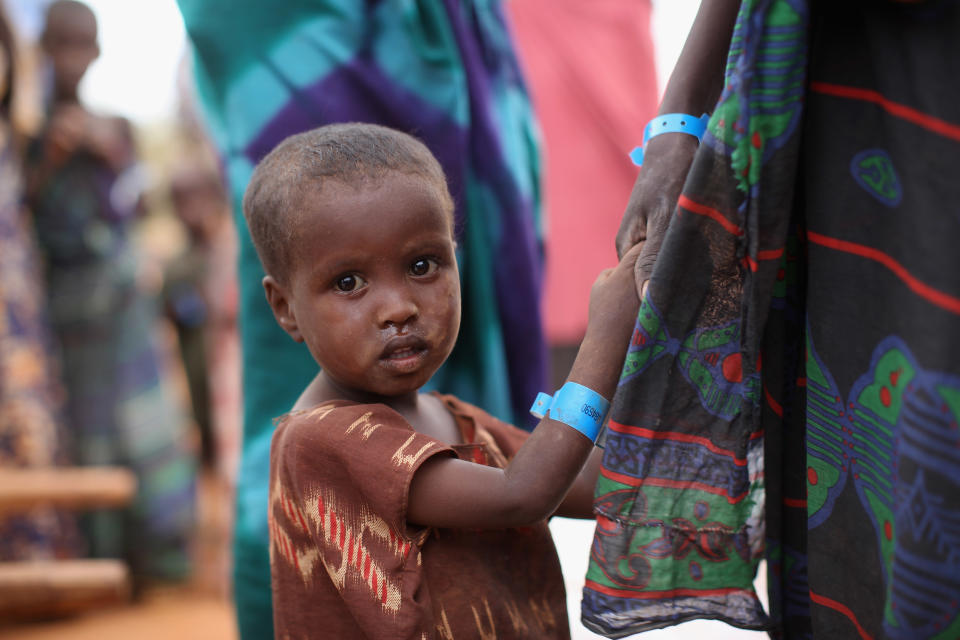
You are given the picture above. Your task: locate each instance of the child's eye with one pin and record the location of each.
(349, 283)
(423, 266)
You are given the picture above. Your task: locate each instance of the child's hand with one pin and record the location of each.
(613, 299)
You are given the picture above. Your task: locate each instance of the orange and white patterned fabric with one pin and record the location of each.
(344, 561)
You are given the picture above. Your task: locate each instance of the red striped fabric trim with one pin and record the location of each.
(841, 608)
(925, 291)
(703, 210)
(671, 484)
(902, 111)
(772, 402)
(673, 435)
(670, 593)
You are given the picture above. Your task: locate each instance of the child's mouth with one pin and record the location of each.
(404, 353)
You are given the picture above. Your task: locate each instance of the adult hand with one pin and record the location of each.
(666, 162)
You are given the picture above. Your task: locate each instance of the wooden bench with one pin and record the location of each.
(73, 488)
(59, 587)
(33, 589)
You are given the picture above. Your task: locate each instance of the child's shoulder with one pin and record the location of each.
(332, 418)
(340, 438)
(344, 430)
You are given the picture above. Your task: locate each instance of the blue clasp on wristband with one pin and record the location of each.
(670, 123)
(575, 405)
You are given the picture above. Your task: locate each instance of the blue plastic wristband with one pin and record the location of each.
(541, 405)
(575, 405)
(670, 123)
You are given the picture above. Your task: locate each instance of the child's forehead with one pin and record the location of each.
(326, 199)
(351, 211)
(360, 181)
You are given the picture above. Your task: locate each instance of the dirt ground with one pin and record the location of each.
(199, 609)
(184, 614)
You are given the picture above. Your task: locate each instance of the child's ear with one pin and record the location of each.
(279, 301)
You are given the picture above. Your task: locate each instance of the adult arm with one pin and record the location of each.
(448, 492)
(694, 87)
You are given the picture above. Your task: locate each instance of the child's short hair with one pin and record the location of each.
(351, 153)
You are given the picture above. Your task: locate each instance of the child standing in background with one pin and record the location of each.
(118, 410)
(393, 513)
(200, 204)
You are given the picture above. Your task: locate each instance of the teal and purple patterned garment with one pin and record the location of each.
(444, 70)
(792, 389)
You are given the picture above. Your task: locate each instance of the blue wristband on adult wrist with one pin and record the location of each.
(575, 405)
(670, 123)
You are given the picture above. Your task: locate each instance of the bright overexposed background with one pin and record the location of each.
(670, 24)
(143, 42)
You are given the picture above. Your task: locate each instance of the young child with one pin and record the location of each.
(393, 513)
(189, 295)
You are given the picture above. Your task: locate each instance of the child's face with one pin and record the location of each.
(71, 42)
(198, 201)
(373, 287)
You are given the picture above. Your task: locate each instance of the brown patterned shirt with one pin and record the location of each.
(346, 564)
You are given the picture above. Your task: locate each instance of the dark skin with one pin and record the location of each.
(694, 87)
(373, 290)
(69, 41)
(198, 201)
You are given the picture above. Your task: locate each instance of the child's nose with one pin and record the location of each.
(397, 307)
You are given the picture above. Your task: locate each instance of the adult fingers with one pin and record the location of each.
(657, 225)
(629, 259)
(634, 222)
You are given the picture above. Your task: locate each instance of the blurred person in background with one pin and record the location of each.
(200, 205)
(31, 419)
(200, 300)
(444, 71)
(82, 189)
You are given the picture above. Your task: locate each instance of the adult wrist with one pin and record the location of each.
(685, 123)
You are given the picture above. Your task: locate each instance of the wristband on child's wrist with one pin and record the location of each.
(575, 405)
(670, 123)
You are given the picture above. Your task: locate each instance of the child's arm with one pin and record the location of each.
(578, 503)
(448, 492)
